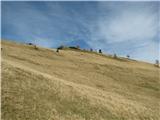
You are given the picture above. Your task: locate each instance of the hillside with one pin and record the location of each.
(75, 85)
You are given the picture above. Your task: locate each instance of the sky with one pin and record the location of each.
(124, 28)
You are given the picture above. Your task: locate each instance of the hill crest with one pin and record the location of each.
(76, 85)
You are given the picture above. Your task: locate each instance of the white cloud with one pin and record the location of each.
(115, 27)
(126, 23)
(127, 27)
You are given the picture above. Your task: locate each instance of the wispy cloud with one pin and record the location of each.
(115, 27)
(41, 22)
(128, 28)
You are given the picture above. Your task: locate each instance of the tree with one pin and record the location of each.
(30, 43)
(128, 56)
(100, 51)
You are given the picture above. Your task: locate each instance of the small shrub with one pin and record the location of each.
(114, 56)
(78, 47)
(35, 47)
(57, 50)
(30, 43)
(157, 63)
(60, 47)
(128, 56)
(73, 47)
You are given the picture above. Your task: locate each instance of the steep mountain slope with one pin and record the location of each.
(41, 84)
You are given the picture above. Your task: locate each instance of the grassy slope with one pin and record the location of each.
(72, 85)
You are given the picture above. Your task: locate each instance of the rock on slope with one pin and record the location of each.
(75, 85)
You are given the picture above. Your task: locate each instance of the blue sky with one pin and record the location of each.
(115, 27)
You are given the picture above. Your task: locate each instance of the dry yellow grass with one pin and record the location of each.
(75, 85)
